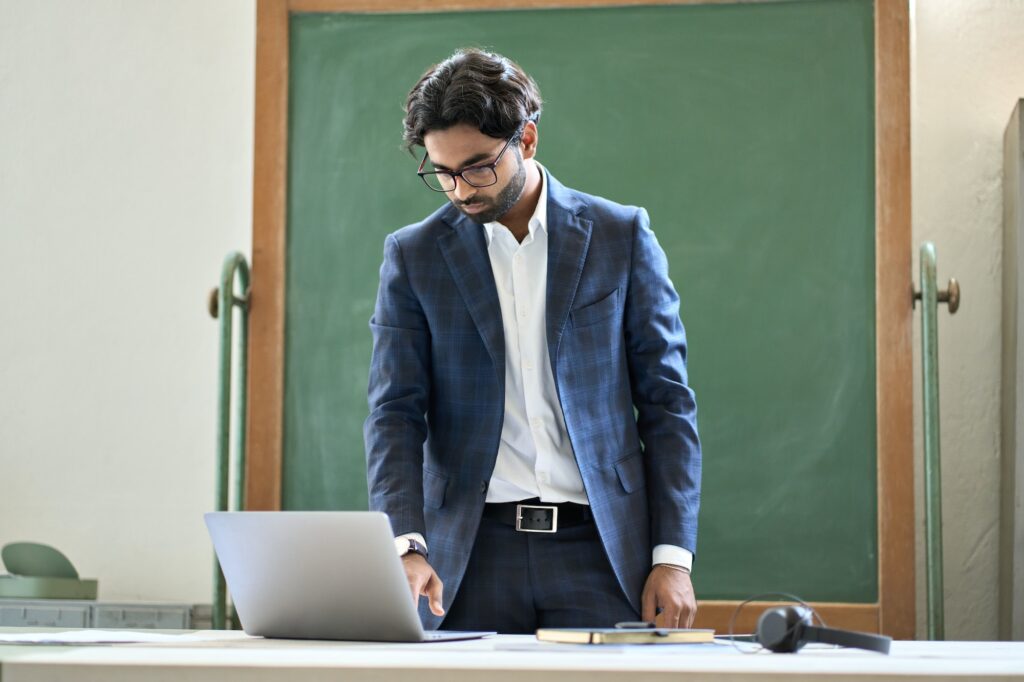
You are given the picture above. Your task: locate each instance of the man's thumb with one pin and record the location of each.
(433, 591)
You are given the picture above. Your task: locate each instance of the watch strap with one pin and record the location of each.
(414, 546)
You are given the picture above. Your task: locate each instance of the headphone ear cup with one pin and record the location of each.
(780, 630)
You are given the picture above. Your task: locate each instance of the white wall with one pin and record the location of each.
(968, 72)
(125, 177)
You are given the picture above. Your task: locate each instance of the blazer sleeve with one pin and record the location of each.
(666, 407)
(399, 388)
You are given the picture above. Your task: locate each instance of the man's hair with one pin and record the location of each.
(482, 89)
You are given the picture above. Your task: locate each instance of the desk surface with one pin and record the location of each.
(500, 659)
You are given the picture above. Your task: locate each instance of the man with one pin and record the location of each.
(515, 331)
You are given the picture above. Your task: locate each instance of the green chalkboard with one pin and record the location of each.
(748, 133)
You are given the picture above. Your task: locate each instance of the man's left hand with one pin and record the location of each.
(669, 589)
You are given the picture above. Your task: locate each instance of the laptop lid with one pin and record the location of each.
(315, 575)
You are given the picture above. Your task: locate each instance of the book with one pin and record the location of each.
(625, 636)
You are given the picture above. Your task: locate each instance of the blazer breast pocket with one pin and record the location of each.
(596, 312)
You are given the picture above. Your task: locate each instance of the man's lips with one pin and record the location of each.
(473, 208)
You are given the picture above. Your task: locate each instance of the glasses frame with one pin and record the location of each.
(459, 173)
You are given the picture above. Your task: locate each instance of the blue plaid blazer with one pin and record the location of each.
(615, 340)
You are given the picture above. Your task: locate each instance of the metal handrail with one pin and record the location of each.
(223, 299)
(930, 298)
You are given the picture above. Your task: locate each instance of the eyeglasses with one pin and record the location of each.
(483, 175)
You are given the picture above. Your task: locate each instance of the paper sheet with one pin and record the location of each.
(98, 636)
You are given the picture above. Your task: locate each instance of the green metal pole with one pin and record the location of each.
(234, 265)
(932, 469)
(243, 382)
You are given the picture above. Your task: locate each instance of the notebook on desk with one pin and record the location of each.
(318, 575)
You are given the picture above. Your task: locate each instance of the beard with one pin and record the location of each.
(506, 199)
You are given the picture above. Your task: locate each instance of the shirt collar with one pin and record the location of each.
(539, 220)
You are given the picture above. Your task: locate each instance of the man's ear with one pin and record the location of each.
(528, 140)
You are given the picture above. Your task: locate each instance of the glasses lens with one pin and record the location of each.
(480, 177)
(439, 182)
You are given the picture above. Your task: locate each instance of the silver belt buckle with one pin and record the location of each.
(519, 518)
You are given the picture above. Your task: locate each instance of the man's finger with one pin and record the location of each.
(689, 615)
(433, 590)
(416, 587)
(669, 616)
(648, 605)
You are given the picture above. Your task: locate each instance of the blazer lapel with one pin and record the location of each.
(465, 252)
(568, 242)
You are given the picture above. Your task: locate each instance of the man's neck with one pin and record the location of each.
(517, 220)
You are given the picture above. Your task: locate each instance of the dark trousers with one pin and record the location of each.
(517, 582)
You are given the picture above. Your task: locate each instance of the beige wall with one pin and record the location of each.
(968, 72)
(125, 176)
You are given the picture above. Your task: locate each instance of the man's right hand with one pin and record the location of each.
(423, 581)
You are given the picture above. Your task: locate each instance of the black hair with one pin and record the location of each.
(482, 89)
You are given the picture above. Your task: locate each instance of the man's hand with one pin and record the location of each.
(423, 581)
(668, 588)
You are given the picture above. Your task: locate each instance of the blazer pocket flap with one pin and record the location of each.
(595, 312)
(631, 472)
(434, 488)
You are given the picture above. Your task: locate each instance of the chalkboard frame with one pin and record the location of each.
(894, 613)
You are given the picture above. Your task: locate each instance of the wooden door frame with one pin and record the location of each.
(893, 614)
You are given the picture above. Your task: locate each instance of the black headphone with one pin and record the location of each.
(785, 629)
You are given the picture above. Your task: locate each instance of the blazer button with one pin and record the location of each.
(483, 486)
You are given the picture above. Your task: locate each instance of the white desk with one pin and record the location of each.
(504, 659)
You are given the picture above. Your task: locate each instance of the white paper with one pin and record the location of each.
(98, 636)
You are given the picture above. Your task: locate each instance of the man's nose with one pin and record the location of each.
(463, 190)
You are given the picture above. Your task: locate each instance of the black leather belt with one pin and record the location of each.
(534, 516)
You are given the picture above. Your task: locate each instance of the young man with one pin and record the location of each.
(515, 331)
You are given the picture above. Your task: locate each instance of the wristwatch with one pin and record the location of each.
(406, 545)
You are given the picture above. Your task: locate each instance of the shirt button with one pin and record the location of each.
(528, 365)
(522, 313)
(536, 422)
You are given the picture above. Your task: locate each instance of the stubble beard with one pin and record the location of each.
(506, 199)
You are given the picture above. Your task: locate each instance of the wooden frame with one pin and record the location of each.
(894, 612)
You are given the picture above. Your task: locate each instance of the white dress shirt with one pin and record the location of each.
(535, 457)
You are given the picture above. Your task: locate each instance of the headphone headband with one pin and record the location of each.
(856, 640)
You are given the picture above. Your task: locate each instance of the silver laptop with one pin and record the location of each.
(318, 575)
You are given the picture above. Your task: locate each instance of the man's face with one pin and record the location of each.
(463, 145)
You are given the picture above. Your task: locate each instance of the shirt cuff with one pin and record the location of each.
(670, 554)
(420, 539)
